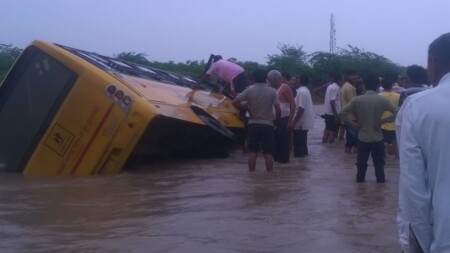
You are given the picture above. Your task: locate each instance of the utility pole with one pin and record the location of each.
(332, 35)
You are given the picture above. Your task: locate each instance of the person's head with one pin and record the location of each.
(338, 79)
(402, 80)
(217, 58)
(388, 80)
(417, 75)
(387, 86)
(371, 82)
(439, 58)
(286, 77)
(259, 75)
(360, 88)
(294, 82)
(330, 77)
(351, 76)
(250, 78)
(304, 80)
(274, 78)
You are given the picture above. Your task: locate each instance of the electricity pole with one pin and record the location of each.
(332, 35)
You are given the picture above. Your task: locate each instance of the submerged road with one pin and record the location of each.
(310, 205)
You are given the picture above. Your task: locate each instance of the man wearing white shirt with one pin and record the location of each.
(332, 106)
(423, 133)
(303, 119)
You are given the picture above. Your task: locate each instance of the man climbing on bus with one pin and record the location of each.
(230, 72)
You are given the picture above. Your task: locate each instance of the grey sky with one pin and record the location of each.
(181, 30)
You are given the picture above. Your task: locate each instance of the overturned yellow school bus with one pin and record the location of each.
(65, 111)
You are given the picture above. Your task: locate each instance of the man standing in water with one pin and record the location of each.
(332, 104)
(303, 118)
(368, 109)
(261, 99)
(388, 129)
(348, 92)
(287, 106)
(423, 133)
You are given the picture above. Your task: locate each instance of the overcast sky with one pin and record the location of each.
(181, 30)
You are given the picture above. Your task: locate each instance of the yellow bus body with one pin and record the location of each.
(92, 132)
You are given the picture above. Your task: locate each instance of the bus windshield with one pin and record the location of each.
(29, 98)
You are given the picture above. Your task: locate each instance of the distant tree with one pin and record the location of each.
(324, 63)
(363, 62)
(294, 54)
(8, 55)
(190, 68)
(292, 59)
(251, 65)
(139, 58)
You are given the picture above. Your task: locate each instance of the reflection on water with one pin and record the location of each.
(311, 205)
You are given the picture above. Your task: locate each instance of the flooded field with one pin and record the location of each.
(310, 205)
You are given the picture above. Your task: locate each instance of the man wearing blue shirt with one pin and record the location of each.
(423, 132)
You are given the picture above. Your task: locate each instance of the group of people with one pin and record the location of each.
(414, 116)
(278, 113)
(368, 118)
(276, 118)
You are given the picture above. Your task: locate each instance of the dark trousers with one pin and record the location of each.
(240, 82)
(300, 143)
(351, 137)
(365, 149)
(282, 141)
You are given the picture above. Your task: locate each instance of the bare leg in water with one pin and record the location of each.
(331, 136)
(252, 161)
(341, 133)
(269, 162)
(325, 136)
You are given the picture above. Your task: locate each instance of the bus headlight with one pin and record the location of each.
(126, 100)
(120, 94)
(111, 89)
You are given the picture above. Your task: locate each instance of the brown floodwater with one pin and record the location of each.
(216, 205)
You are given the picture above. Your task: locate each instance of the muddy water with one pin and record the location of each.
(311, 205)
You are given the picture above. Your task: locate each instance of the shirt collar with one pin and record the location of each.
(444, 79)
(370, 92)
